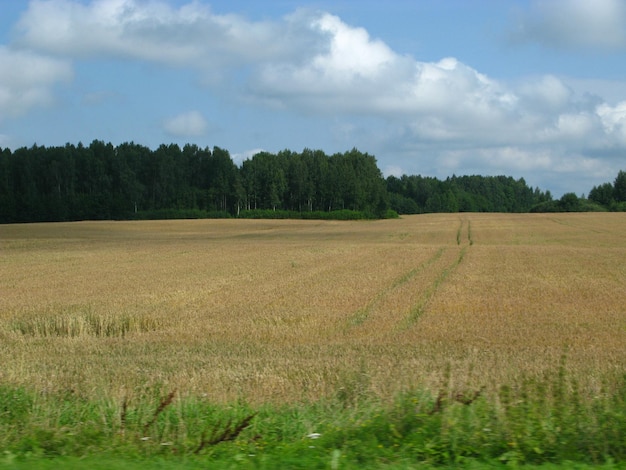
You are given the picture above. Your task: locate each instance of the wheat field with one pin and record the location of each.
(283, 311)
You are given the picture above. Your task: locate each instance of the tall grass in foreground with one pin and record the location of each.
(538, 421)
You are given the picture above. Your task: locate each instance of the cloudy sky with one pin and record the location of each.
(523, 88)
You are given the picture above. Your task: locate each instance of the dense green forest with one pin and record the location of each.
(129, 181)
(611, 196)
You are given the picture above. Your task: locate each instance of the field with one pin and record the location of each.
(286, 312)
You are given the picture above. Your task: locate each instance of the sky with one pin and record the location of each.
(523, 88)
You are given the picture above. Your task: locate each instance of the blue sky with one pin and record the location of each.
(533, 88)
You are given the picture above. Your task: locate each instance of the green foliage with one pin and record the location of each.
(165, 214)
(603, 194)
(418, 194)
(619, 187)
(611, 196)
(130, 181)
(618, 207)
(343, 214)
(569, 202)
(537, 421)
(590, 206)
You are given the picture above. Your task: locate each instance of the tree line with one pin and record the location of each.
(102, 181)
(611, 196)
(420, 194)
(130, 181)
(605, 197)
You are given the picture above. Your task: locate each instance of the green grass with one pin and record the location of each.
(115, 463)
(537, 422)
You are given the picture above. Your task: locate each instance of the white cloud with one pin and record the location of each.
(115, 27)
(351, 53)
(27, 79)
(313, 63)
(598, 89)
(614, 121)
(575, 125)
(240, 157)
(574, 23)
(189, 124)
(545, 93)
(190, 35)
(342, 68)
(393, 170)
(356, 74)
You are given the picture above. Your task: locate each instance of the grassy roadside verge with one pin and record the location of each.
(535, 423)
(117, 463)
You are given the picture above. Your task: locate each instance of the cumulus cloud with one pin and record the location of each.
(393, 170)
(189, 124)
(614, 121)
(240, 157)
(598, 24)
(545, 93)
(27, 80)
(190, 35)
(314, 63)
(311, 62)
(356, 74)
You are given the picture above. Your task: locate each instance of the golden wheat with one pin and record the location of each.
(297, 310)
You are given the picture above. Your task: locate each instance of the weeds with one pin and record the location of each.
(229, 432)
(533, 422)
(162, 405)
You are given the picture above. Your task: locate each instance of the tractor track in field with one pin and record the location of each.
(420, 307)
(465, 225)
(463, 242)
(361, 315)
(576, 226)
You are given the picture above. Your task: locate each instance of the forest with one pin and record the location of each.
(130, 181)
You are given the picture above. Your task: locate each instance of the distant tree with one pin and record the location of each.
(7, 191)
(264, 181)
(569, 202)
(434, 203)
(449, 202)
(619, 191)
(222, 180)
(602, 194)
(26, 174)
(316, 192)
(468, 202)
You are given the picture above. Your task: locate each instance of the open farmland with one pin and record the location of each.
(287, 311)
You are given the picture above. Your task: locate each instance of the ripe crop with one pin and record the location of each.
(277, 311)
